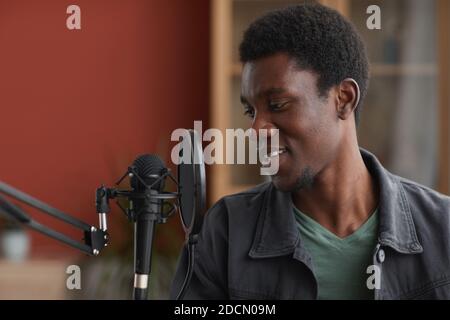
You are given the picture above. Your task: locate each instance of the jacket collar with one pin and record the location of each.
(277, 234)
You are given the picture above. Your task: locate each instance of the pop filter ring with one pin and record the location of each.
(193, 227)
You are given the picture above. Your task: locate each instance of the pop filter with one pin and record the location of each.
(191, 183)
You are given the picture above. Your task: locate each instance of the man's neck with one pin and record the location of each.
(343, 195)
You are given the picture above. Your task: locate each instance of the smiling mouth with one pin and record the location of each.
(267, 159)
(276, 153)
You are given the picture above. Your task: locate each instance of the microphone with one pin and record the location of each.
(146, 183)
(147, 199)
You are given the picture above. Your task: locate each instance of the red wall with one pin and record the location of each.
(78, 106)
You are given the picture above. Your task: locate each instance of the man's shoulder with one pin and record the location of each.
(256, 191)
(241, 205)
(419, 193)
(430, 209)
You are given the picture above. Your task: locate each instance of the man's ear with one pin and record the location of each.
(348, 96)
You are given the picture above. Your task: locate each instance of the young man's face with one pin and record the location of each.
(278, 95)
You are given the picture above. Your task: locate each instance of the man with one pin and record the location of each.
(332, 223)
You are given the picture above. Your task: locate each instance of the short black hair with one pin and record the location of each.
(318, 38)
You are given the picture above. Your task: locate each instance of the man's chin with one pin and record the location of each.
(292, 183)
(282, 184)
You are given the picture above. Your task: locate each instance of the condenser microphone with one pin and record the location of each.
(147, 201)
(147, 182)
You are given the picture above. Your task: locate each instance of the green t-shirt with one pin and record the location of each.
(340, 264)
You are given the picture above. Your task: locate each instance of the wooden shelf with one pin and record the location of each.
(236, 70)
(404, 70)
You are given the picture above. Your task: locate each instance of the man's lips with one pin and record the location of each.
(267, 158)
(276, 153)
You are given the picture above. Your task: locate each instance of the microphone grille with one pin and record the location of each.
(146, 166)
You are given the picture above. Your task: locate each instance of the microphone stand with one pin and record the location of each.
(95, 239)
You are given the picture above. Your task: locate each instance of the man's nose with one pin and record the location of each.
(263, 127)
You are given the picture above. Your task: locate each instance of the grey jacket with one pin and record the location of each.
(251, 248)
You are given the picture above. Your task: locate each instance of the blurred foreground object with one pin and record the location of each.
(14, 243)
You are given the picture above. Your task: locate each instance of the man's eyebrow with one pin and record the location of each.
(265, 93)
(271, 91)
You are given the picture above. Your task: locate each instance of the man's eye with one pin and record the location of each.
(249, 112)
(275, 106)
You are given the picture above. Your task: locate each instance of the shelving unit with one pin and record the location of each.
(405, 120)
